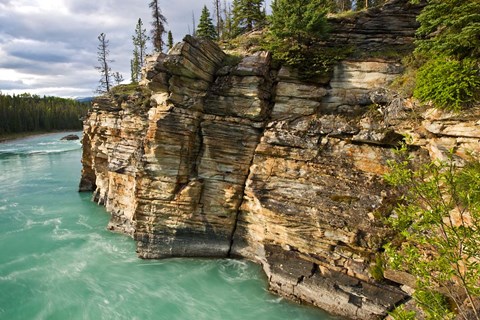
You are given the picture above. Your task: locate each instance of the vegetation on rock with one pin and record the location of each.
(296, 31)
(449, 42)
(450, 83)
(438, 224)
(450, 28)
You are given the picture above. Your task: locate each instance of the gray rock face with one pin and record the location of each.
(248, 161)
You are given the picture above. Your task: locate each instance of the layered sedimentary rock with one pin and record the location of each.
(111, 152)
(378, 31)
(216, 158)
(181, 182)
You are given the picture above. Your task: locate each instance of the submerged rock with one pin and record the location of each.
(70, 137)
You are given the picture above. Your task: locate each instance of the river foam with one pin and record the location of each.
(59, 262)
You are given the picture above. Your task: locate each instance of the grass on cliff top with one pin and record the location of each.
(135, 92)
(127, 89)
(243, 44)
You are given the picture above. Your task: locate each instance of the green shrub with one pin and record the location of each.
(232, 60)
(449, 27)
(449, 37)
(449, 83)
(296, 28)
(400, 313)
(438, 217)
(434, 305)
(376, 269)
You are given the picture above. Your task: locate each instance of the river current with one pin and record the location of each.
(57, 260)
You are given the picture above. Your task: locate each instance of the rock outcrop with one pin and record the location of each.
(378, 31)
(218, 159)
(70, 137)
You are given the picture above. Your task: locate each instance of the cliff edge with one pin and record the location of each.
(214, 158)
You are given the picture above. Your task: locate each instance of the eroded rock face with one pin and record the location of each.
(111, 151)
(381, 30)
(180, 182)
(219, 160)
(244, 163)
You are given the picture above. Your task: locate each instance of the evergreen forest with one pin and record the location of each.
(32, 113)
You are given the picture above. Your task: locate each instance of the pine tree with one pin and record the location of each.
(139, 39)
(450, 28)
(194, 28)
(248, 15)
(302, 20)
(228, 21)
(158, 25)
(117, 77)
(217, 6)
(448, 41)
(170, 40)
(205, 26)
(135, 67)
(104, 68)
(296, 26)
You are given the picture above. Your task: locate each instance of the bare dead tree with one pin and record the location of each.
(105, 81)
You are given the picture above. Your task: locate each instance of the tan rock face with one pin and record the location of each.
(227, 161)
(353, 82)
(216, 160)
(111, 155)
(179, 186)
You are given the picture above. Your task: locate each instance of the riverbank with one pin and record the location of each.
(20, 135)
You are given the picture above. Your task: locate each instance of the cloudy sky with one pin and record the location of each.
(49, 47)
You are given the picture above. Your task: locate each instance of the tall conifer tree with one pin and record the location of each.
(170, 40)
(205, 26)
(158, 25)
(450, 28)
(103, 52)
(248, 15)
(217, 6)
(139, 39)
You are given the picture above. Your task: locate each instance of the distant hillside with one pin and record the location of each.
(84, 99)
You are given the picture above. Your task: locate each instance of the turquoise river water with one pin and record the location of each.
(57, 260)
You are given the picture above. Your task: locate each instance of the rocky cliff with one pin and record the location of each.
(214, 157)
